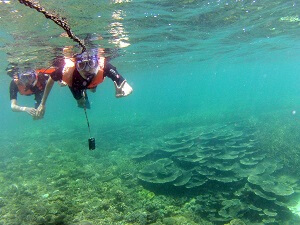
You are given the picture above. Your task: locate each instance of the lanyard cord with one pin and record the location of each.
(87, 119)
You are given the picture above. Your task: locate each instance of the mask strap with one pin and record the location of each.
(36, 79)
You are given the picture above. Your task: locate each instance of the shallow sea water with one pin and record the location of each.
(210, 134)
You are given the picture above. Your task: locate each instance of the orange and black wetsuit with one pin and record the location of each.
(79, 84)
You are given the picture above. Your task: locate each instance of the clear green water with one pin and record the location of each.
(191, 63)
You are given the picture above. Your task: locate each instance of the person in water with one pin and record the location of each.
(86, 71)
(29, 82)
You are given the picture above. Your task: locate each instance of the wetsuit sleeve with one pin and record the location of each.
(111, 72)
(13, 90)
(38, 98)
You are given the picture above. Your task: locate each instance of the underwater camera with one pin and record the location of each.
(92, 144)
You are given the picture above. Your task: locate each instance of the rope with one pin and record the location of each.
(62, 22)
(87, 120)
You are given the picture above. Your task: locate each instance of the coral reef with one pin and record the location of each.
(225, 162)
(57, 182)
(179, 174)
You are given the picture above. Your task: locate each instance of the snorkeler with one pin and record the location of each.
(86, 71)
(28, 83)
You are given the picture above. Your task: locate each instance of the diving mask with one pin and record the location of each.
(28, 77)
(83, 60)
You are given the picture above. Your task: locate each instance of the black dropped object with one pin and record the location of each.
(92, 144)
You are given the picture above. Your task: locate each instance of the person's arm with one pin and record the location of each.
(13, 91)
(56, 75)
(16, 108)
(122, 87)
(41, 109)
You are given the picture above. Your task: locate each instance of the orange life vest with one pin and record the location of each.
(70, 67)
(27, 91)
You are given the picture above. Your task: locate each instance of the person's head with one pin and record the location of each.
(87, 64)
(27, 77)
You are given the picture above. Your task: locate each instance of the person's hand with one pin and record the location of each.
(30, 111)
(40, 112)
(93, 89)
(123, 90)
(81, 102)
(62, 83)
(84, 103)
